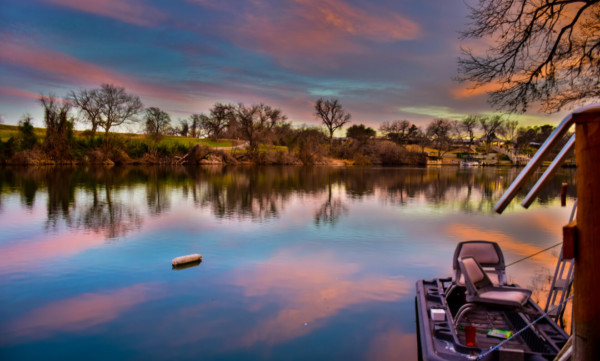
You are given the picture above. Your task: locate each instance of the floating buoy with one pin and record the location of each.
(183, 260)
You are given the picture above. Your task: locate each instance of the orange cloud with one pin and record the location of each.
(468, 91)
(465, 232)
(72, 70)
(391, 345)
(80, 312)
(311, 291)
(130, 11)
(550, 223)
(349, 19)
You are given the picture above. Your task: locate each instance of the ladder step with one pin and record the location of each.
(563, 276)
(560, 284)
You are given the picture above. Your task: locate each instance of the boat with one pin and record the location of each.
(476, 315)
(469, 163)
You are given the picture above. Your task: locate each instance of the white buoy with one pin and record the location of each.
(178, 261)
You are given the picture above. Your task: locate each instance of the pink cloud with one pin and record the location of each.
(313, 28)
(311, 291)
(69, 69)
(18, 93)
(25, 254)
(352, 20)
(79, 312)
(129, 11)
(294, 296)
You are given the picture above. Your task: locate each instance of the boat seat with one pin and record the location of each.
(488, 254)
(482, 293)
(492, 275)
(480, 288)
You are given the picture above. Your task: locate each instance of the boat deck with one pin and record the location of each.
(442, 340)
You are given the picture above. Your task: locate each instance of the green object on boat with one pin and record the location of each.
(494, 332)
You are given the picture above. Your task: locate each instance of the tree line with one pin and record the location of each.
(442, 134)
(109, 106)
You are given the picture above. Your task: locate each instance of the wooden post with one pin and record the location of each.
(586, 303)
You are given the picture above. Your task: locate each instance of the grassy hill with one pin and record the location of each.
(7, 131)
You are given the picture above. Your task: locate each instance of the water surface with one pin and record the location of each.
(299, 263)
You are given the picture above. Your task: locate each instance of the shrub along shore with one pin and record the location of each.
(24, 145)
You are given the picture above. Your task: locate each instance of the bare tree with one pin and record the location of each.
(397, 131)
(489, 126)
(332, 114)
(509, 132)
(117, 107)
(221, 115)
(90, 106)
(255, 122)
(546, 51)
(457, 129)
(311, 144)
(439, 133)
(525, 136)
(157, 122)
(271, 117)
(58, 127)
(469, 124)
(419, 136)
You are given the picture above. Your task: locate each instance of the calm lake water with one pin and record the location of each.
(299, 263)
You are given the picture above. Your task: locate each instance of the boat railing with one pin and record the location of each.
(535, 162)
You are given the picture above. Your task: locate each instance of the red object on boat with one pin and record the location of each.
(470, 332)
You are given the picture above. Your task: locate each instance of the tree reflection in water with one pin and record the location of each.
(331, 211)
(106, 200)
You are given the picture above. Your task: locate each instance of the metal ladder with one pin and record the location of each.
(561, 283)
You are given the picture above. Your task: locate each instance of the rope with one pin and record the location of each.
(535, 254)
(498, 346)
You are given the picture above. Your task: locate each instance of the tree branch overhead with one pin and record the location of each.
(542, 51)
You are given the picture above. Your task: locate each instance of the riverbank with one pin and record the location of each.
(129, 148)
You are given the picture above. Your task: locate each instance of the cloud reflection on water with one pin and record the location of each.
(78, 313)
(278, 301)
(25, 254)
(309, 290)
(507, 243)
(393, 344)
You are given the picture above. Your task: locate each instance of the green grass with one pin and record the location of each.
(188, 141)
(7, 131)
(263, 148)
(170, 141)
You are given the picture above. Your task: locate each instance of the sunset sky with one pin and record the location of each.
(384, 59)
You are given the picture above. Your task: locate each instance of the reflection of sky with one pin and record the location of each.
(266, 288)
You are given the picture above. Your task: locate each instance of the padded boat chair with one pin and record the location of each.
(482, 292)
(488, 254)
